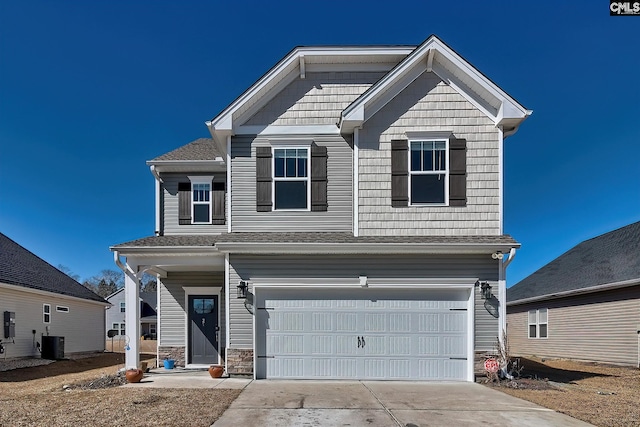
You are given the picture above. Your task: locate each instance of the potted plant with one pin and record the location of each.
(216, 371)
(133, 375)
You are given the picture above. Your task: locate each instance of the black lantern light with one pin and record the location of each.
(485, 288)
(242, 289)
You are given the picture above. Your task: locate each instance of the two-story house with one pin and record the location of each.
(345, 221)
(115, 314)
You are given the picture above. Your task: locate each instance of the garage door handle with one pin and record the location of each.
(363, 342)
(359, 342)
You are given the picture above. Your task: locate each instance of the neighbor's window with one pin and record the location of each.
(62, 309)
(122, 307)
(428, 172)
(538, 323)
(291, 178)
(46, 313)
(120, 327)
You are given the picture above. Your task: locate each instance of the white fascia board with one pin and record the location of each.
(50, 294)
(360, 248)
(218, 165)
(589, 290)
(178, 251)
(372, 282)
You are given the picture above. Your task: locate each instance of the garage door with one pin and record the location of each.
(362, 334)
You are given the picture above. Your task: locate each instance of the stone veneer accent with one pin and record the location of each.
(239, 361)
(175, 353)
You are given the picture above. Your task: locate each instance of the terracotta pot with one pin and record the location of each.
(134, 375)
(216, 371)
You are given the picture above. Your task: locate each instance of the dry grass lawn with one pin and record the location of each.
(602, 395)
(35, 397)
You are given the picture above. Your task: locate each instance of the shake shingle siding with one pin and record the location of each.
(317, 99)
(425, 105)
(338, 216)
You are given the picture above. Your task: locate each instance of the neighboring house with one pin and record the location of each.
(583, 305)
(148, 314)
(45, 302)
(342, 222)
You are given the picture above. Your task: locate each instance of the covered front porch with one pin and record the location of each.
(191, 297)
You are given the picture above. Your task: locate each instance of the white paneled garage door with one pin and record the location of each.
(362, 334)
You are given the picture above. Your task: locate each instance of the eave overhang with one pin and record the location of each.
(295, 64)
(361, 248)
(164, 166)
(435, 56)
(575, 292)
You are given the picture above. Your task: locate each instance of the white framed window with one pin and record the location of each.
(428, 172)
(62, 309)
(46, 313)
(291, 178)
(201, 206)
(120, 327)
(538, 323)
(152, 330)
(123, 307)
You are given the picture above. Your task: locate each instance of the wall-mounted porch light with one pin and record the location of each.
(485, 289)
(242, 289)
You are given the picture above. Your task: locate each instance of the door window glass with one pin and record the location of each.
(203, 305)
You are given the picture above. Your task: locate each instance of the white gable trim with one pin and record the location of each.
(431, 56)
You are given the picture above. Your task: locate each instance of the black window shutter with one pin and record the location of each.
(457, 172)
(184, 203)
(318, 178)
(263, 179)
(218, 203)
(399, 173)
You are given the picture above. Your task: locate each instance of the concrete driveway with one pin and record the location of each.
(383, 403)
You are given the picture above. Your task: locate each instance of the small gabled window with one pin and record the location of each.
(291, 178)
(46, 313)
(538, 323)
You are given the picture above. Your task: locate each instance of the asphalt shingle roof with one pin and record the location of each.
(609, 258)
(210, 240)
(20, 267)
(200, 149)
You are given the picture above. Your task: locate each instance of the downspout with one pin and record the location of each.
(502, 313)
(155, 173)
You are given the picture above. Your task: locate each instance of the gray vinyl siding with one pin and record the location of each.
(83, 327)
(339, 214)
(172, 314)
(169, 211)
(341, 269)
(318, 99)
(428, 104)
(599, 327)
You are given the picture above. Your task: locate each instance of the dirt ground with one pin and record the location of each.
(603, 395)
(35, 397)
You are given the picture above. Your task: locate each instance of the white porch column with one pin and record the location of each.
(502, 306)
(132, 317)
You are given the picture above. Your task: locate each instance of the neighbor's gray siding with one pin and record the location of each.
(113, 314)
(598, 327)
(341, 269)
(169, 211)
(428, 104)
(318, 99)
(172, 314)
(83, 327)
(339, 215)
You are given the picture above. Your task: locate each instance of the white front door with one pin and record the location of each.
(362, 334)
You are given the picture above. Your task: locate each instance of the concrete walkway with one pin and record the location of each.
(383, 403)
(186, 378)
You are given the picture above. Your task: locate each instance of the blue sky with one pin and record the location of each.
(91, 90)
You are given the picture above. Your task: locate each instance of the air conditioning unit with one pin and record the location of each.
(52, 348)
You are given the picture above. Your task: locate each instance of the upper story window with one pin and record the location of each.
(430, 169)
(538, 323)
(122, 307)
(428, 172)
(201, 199)
(291, 188)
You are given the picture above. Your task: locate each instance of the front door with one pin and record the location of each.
(203, 329)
